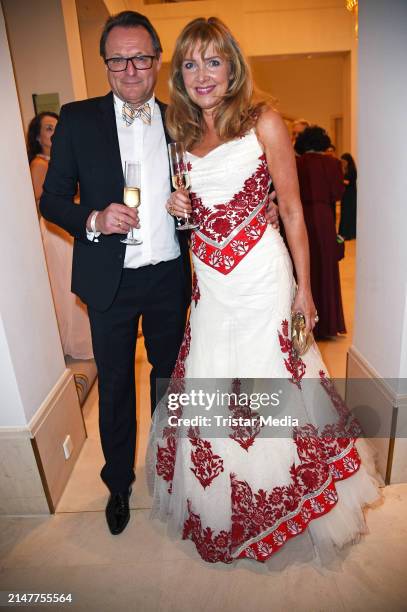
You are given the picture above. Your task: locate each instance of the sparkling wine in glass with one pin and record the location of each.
(132, 195)
(180, 178)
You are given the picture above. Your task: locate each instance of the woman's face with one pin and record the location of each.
(344, 166)
(206, 79)
(47, 130)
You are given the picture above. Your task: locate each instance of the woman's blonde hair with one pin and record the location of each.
(236, 112)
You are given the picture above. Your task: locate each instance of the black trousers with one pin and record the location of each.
(157, 293)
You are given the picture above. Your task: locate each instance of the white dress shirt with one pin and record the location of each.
(147, 145)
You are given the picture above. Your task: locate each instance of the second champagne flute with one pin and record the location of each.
(132, 195)
(180, 177)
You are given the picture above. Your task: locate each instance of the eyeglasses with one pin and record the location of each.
(140, 62)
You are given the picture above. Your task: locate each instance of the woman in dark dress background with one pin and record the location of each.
(347, 225)
(321, 183)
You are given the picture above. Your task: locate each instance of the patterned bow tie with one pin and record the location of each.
(129, 113)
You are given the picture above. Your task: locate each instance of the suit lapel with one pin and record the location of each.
(109, 129)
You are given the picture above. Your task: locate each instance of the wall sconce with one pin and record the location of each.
(352, 6)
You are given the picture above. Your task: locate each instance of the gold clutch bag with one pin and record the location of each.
(300, 339)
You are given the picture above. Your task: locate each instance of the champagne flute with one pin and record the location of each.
(180, 178)
(132, 195)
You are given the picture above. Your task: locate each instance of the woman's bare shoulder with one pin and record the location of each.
(270, 126)
(269, 118)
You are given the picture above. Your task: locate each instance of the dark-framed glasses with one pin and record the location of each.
(140, 62)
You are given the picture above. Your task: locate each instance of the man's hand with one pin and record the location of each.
(272, 214)
(115, 219)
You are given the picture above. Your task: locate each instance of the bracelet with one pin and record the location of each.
(93, 222)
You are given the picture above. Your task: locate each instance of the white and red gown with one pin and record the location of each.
(246, 494)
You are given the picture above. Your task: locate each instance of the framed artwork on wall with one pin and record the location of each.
(46, 102)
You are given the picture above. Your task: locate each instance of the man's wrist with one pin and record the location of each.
(91, 222)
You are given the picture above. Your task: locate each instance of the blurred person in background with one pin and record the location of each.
(72, 317)
(347, 225)
(321, 183)
(297, 127)
(331, 150)
(40, 132)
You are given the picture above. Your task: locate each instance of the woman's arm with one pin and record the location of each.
(273, 135)
(38, 168)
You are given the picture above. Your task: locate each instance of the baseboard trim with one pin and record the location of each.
(43, 477)
(398, 400)
(49, 402)
(392, 401)
(39, 444)
(60, 415)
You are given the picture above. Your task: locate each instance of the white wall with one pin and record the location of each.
(38, 46)
(29, 339)
(12, 410)
(73, 42)
(311, 88)
(381, 314)
(92, 18)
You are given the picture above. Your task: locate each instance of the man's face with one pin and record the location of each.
(132, 85)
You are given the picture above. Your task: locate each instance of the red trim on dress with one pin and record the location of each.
(219, 222)
(263, 521)
(259, 516)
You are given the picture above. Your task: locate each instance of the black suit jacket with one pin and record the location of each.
(85, 149)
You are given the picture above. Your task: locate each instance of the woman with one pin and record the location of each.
(39, 135)
(321, 184)
(240, 494)
(347, 225)
(72, 317)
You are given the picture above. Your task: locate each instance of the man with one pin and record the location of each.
(120, 283)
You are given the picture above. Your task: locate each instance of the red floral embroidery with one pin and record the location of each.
(165, 461)
(244, 434)
(179, 369)
(339, 437)
(211, 549)
(181, 167)
(263, 521)
(166, 455)
(346, 466)
(257, 517)
(195, 290)
(207, 465)
(345, 415)
(219, 222)
(293, 363)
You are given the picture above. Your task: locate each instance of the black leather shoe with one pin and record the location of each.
(118, 511)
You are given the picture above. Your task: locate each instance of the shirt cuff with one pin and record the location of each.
(92, 235)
